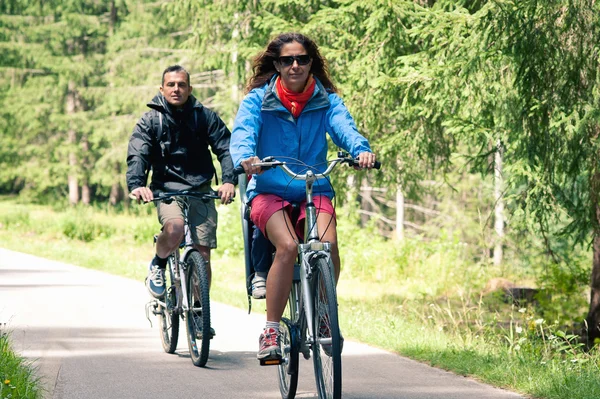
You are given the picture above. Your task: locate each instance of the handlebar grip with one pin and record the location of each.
(376, 166)
(238, 170)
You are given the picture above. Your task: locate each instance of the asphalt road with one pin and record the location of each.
(88, 335)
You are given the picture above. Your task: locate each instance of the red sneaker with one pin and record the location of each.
(269, 345)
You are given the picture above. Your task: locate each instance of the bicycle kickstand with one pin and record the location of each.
(154, 304)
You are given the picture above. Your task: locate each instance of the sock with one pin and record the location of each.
(262, 274)
(161, 262)
(272, 324)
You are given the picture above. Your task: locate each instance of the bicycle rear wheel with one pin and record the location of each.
(198, 316)
(168, 318)
(327, 357)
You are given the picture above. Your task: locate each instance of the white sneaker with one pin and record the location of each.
(259, 287)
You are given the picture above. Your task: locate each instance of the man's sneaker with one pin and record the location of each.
(155, 282)
(259, 287)
(269, 345)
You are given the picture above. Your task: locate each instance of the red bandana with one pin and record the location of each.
(295, 102)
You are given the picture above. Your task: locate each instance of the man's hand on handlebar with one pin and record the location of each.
(142, 194)
(227, 192)
(366, 160)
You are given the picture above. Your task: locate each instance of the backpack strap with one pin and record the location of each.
(157, 127)
(197, 126)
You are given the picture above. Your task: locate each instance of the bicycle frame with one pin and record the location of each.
(180, 267)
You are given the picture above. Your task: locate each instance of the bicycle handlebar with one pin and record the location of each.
(271, 162)
(162, 196)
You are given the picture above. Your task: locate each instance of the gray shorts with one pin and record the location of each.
(202, 216)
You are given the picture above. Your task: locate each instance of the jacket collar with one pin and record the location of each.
(159, 103)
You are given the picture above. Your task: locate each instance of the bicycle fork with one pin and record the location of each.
(309, 253)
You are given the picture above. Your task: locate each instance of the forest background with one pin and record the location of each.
(483, 226)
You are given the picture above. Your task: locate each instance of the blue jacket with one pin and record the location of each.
(264, 127)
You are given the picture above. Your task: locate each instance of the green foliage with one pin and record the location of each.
(82, 228)
(229, 234)
(17, 375)
(17, 219)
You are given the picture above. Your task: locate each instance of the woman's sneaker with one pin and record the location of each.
(268, 345)
(259, 287)
(155, 282)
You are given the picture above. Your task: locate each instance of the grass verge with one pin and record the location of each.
(17, 375)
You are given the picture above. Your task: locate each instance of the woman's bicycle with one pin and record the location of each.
(187, 288)
(310, 324)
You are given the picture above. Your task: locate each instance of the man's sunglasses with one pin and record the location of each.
(288, 60)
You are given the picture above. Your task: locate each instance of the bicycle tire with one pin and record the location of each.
(198, 315)
(288, 370)
(327, 356)
(168, 319)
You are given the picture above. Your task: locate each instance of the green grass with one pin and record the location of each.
(17, 376)
(420, 298)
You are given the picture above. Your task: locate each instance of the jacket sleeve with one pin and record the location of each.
(138, 153)
(218, 138)
(342, 129)
(246, 127)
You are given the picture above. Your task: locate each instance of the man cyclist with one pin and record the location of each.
(172, 140)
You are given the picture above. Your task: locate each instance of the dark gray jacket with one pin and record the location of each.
(174, 144)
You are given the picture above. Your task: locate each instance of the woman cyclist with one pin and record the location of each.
(290, 106)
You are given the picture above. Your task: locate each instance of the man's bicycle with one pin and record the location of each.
(310, 323)
(187, 288)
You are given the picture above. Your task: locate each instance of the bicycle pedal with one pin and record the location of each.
(270, 361)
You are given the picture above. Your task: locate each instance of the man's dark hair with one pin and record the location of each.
(263, 68)
(175, 68)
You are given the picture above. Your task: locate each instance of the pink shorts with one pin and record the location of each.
(265, 205)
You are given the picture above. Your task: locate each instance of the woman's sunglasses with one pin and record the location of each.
(288, 60)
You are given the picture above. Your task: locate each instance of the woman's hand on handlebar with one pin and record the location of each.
(142, 194)
(366, 160)
(247, 164)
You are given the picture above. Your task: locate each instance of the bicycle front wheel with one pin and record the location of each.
(327, 351)
(289, 344)
(168, 319)
(198, 315)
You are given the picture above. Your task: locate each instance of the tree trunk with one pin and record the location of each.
(117, 193)
(593, 317)
(113, 17)
(498, 204)
(86, 194)
(365, 203)
(399, 214)
(71, 108)
(235, 87)
(72, 177)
